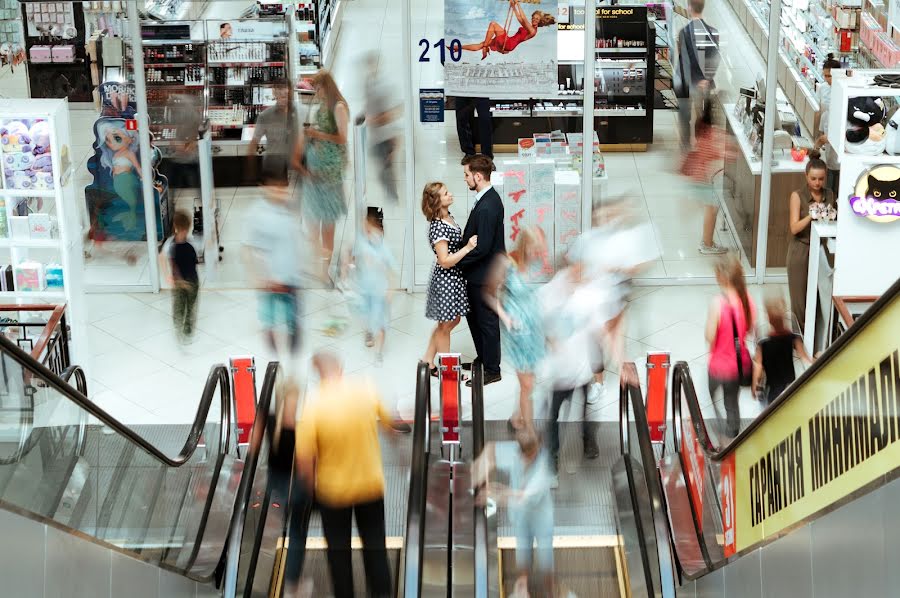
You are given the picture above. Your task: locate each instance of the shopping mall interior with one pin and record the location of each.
(669, 264)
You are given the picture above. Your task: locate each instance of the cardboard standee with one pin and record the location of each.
(243, 395)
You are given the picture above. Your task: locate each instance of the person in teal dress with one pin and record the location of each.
(516, 304)
(325, 149)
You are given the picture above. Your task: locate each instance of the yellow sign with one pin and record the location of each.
(837, 433)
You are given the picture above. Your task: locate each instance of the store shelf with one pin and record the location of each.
(609, 64)
(621, 50)
(4, 295)
(169, 65)
(510, 113)
(619, 112)
(46, 193)
(31, 243)
(243, 63)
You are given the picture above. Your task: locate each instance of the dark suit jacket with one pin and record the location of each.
(486, 221)
(698, 56)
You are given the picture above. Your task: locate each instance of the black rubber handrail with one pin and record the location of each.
(681, 380)
(246, 488)
(414, 543)
(480, 518)
(631, 402)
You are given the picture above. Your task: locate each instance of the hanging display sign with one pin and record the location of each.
(507, 49)
(237, 30)
(877, 194)
(839, 433)
(431, 105)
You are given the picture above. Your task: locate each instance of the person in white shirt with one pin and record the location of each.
(823, 94)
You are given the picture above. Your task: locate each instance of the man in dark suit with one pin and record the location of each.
(486, 221)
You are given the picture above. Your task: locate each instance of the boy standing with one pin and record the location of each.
(186, 283)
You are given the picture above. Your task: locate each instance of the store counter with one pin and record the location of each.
(742, 184)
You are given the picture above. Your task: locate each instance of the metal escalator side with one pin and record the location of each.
(640, 508)
(169, 511)
(818, 417)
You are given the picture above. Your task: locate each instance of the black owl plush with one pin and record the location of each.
(865, 132)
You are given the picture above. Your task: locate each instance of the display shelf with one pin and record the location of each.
(240, 63)
(54, 295)
(619, 112)
(42, 193)
(30, 243)
(620, 50)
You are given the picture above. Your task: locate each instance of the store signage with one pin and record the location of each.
(247, 30)
(431, 105)
(131, 125)
(839, 433)
(876, 195)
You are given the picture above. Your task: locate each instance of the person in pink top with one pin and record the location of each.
(732, 311)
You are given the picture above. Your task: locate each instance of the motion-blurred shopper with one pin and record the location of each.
(808, 203)
(278, 126)
(823, 93)
(573, 335)
(699, 165)
(273, 261)
(486, 222)
(697, 62)
(325, 151)
(185, 280)
(339, 459)
(529, 500)
(517, 305)
(446, 300)
(187, 116)
(728, 323)
(373, 268)
(774, 359)
(383, 109)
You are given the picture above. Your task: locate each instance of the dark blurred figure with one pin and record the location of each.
(698, 60)
(465, 114)
(184, 278)
(339, 460)
(187, 115)
(383, 109)
(278, 125)
(774, 359)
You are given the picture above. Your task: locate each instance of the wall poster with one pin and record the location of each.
(508, 48)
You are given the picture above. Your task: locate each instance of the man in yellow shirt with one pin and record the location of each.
(339, 459)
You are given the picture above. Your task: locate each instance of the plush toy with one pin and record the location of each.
(40, 137)
(43, 180)
(17, 161)
(865, 133)
(22, 179)
(43, 163)
(14, 137)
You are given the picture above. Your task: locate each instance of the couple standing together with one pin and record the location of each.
(464, 261)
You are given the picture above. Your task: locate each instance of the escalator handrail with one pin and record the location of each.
(246, 487)
(414, 544)
(631, 401)
(681, 379)
(217, 378)
(480, 518)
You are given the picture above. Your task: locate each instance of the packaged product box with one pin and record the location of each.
(19, 227)
(29, 276)
(54, 277)
(527, 148)
(40, 54)
(40, 226)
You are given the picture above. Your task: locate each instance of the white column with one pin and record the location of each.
(587, 149)
(407, 278)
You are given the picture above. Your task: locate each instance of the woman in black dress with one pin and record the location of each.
(446, 300)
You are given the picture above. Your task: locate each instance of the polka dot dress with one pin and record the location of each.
(446, 297)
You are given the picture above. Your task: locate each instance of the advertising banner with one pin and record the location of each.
(839, 432)
(501, 48)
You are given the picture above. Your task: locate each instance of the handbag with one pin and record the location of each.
(744, 378)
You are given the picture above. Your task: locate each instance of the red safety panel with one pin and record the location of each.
(450, 397)
(243, 385)
(657, 382)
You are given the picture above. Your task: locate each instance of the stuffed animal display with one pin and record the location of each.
(865, 131)
(26, 156)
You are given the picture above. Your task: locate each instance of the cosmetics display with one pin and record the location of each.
(174, 10)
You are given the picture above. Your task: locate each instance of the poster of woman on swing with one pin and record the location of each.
(508, 47)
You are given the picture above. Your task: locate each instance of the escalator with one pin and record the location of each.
(802, 502)
(102, 501)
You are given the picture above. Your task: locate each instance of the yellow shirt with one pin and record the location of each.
(337, 428)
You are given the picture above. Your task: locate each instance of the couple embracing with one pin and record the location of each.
(464, 261)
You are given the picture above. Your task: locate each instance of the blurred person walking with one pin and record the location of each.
(806, 205)
(324, 147)
(277, 124)
(728, 323)
(774, 358)
(184, 278)
(485, 222)
(823, 94)
(698, 60)
(383, 109)
(529, 499)
(446, 299)
(273, 261)
(518, 307)
(699, 165)
(339, 460)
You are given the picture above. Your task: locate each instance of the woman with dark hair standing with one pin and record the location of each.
(326, 160)
(800, 218)
(447, 300)
(730, 314)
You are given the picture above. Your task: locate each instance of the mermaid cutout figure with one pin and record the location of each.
(119, 154)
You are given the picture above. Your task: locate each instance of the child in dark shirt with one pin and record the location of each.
(185, 282)
(774, 359)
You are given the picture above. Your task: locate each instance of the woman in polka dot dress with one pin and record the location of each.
(446, 300)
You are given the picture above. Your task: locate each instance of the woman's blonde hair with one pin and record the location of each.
(431, 200)
(324, 82)
(729, 269)
(544, 19)
(529, 237)
(776, 312)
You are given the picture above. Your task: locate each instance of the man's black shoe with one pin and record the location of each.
(467, 366)
(591, 450)
(488, 379)
(401, 427)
